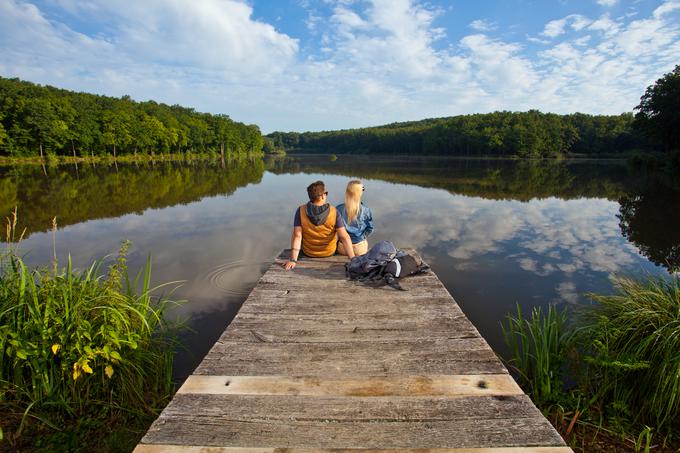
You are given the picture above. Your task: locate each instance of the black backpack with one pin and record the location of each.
(384, 262)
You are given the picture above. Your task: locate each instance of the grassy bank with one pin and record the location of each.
(85, 356)
(52, 159)
(610, 378)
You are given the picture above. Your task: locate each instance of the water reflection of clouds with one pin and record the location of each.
(546, 237)
(567, 292)
(574, 235)
(485, 230)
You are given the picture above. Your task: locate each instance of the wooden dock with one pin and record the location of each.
(313, 362)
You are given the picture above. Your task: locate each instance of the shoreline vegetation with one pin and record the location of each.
(607, 375)
(53, 123)
(85, 355)
(46, 121)
(50, 160)
(531, 134)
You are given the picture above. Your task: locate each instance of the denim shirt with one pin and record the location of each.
(361, 227)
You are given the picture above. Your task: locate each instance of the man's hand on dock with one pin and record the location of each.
(289, 265)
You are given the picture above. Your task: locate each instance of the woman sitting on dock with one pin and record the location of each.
(357, 217)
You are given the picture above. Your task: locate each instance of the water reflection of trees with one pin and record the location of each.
(650, 219)
(649, 207)
(75, 196)
(501, 179)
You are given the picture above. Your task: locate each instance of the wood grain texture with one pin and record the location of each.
(443, 385)
(148, 448)
(327, 359)
(360, 409)
(196, 429)
(315, 363)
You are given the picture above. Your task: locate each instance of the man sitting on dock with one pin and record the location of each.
(317, 227)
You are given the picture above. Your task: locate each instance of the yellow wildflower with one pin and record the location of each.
(86, 367)
(108, 371)
(55, 348)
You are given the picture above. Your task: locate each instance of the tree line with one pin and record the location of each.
(522, 134)
(38, 119)
(43, 120)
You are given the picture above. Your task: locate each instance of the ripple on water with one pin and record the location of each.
(236, 278)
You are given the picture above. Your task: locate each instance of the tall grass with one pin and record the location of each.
(538, 347)
(615, 367)
(71, 341)
(631, 346)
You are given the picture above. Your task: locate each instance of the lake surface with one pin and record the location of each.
(496, 232)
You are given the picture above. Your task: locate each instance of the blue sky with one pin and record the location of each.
(330, 64)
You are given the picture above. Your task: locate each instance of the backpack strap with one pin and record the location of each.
(393, 282)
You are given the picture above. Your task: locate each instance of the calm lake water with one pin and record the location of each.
(496, 232)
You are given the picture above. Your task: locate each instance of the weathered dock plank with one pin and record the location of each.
(443, 385)
(314, 363)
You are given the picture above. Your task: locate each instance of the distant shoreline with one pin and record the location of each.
(583, 157)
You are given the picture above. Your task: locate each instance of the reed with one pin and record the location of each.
(631, 343)
(538, 351)
(71, 341)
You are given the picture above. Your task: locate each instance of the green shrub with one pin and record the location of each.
(72, 340)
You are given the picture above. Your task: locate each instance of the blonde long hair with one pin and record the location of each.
(353, 199)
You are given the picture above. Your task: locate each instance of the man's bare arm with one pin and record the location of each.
(295, 244)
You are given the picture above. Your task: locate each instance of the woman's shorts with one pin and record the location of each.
(360, 248)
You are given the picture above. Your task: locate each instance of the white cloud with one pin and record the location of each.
(606, 25)
(483, 25)
(665, 8)
(537, 40)
(556, 28)
(607, 3)
(211, 34)
(347, 19)
(582, 41)
(394, 37)
(498, 64)
(612, 67)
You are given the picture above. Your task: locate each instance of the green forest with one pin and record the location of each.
(47, 121)
(531, 134)
(522, 134)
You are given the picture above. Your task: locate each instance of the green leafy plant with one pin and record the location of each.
(74, 340)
